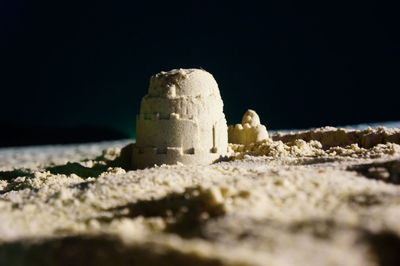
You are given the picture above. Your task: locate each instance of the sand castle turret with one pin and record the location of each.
(249, 131)
(181, 120)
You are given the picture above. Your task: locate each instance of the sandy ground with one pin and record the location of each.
(321, 197)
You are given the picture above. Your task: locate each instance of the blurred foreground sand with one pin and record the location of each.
(321, 197)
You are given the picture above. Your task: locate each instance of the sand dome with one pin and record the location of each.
(181, 120)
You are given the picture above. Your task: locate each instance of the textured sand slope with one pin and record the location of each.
(305, 201)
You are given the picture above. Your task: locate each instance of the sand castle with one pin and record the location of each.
(249, 131)
(181, 120)
(326, 196)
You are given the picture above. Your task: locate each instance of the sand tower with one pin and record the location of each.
(249, 131)
(181, 120)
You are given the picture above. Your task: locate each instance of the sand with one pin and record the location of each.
(320, 197)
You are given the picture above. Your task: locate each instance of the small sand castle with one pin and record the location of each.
(181, 120)
(249, 131)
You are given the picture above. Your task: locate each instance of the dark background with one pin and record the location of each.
(75, 72)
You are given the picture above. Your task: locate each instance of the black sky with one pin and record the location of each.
(298, 64)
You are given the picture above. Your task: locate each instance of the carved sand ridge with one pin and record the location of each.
(330, 136)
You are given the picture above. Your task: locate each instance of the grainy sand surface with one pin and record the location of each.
(320, 197)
